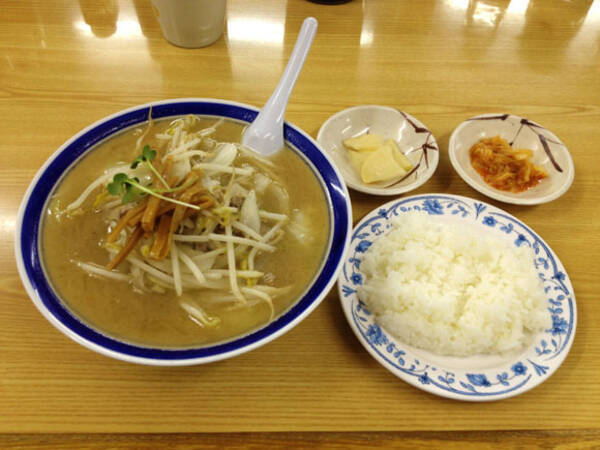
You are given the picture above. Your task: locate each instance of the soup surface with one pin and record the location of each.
(135, 305)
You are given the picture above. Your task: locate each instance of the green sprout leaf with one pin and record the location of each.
(129, 187)
(132, 190)
(148, 154)
(118, 184)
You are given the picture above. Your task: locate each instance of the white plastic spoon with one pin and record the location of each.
(265, 134)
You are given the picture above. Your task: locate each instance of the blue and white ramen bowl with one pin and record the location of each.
(33, 206)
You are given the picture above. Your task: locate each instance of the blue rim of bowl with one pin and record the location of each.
(43, 185)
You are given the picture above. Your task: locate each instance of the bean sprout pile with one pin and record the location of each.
(190, 215)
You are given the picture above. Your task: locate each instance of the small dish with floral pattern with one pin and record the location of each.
(548, 152)
(413, 138)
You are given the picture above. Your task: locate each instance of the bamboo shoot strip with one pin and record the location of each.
(123, 222)
(131, 243)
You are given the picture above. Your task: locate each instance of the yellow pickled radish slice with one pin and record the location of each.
(364, 142)
(358, 158)
(400, 158)
(381, 165)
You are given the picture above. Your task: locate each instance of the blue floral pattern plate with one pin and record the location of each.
(477, 378)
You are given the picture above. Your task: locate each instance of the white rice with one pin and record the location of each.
(451, 290)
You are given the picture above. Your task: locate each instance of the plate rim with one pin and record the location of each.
(495, 193)
(384, 191)
(347, 306)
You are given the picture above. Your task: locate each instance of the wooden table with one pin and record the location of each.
(65, 64)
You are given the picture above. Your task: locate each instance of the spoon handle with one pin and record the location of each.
(274, 109)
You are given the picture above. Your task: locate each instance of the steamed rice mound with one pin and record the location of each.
(450, 290)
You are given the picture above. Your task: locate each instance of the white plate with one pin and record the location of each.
(413, 138)
(548, 152)
(477, 378)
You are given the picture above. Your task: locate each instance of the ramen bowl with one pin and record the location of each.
(30, 260)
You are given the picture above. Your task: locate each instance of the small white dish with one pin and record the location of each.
(548, 152)
(414, 139)
(472, 378)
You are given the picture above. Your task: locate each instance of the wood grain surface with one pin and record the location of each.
(65, 64)
(467, 440)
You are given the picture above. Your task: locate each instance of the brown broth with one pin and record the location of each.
(154, 319)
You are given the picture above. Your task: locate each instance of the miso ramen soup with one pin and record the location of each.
(173, 235)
